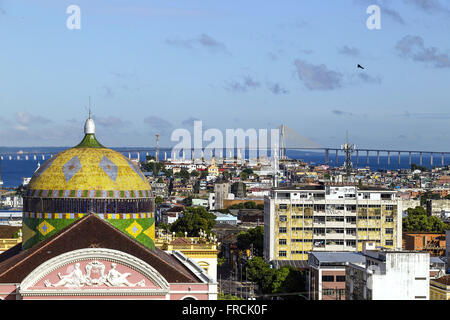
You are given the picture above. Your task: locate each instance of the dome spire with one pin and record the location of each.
(89, 132)
(89, 126)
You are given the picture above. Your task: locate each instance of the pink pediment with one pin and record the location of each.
(94, 274)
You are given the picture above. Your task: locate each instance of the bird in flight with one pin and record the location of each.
(361, 67)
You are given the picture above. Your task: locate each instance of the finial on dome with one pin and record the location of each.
(89, 126)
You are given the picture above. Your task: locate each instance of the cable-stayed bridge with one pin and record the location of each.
(289, 141)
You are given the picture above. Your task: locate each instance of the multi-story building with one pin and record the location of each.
(301, 219)
(201, 250)
(447, 249)
(326, 274)
(221, 191)
(389, 275)
(434, 243)
(440, 288)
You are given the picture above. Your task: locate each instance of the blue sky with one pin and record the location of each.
(154, 66)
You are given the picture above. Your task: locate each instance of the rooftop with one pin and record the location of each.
(444, 280)
(338, 257)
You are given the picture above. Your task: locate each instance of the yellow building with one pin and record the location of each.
(203, 251)
(440, 288)
(7, 239)
(213, 169)
(301, 219)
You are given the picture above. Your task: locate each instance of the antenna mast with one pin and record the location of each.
(157, 148)
(283, 145)
(348, 149)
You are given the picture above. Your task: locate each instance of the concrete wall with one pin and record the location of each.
(406, 204)
(269, 229)
(437, 206)
(407, 277)
(447, 237)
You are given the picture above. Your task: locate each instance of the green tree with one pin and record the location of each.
(290, 280)
(244, 175)
(261, 273)
(223, 296)
(192, 220)
(226, 175)
(188, 201)
(417, 220)
(167, 172)
(252, 238)
(416, 167)
(195, 173)
(196, 187)
(158, 199)
(183, 174)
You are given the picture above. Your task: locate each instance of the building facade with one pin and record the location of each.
(434, 243)
(89, 233)
(298, 220)
(447, 249)
(389, 275)
(326, 274)
(440, 288)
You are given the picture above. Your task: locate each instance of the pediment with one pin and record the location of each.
(94, 271)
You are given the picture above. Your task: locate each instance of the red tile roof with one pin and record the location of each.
(89, 231)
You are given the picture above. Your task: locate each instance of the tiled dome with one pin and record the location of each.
(85, 179)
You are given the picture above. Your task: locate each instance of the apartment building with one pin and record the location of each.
(301, 219)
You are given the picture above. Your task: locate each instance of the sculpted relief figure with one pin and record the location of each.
(76, 278)
(115, 278)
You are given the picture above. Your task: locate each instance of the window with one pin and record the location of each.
(389, 219)
(389, 242)
(340, 278)
(296, 252)
(282, 242)
(351, 220)
(282, 230)
(319, 207)
(282, 254)
(350, 231)
(328, 292)
(389, 231)
(328, 278)
(366, 196)
(283, 218)
(319, 231)
(350, 243)
(320, 220)
(389, 207)
(283, 206)
(385, 196)
(335, 242)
